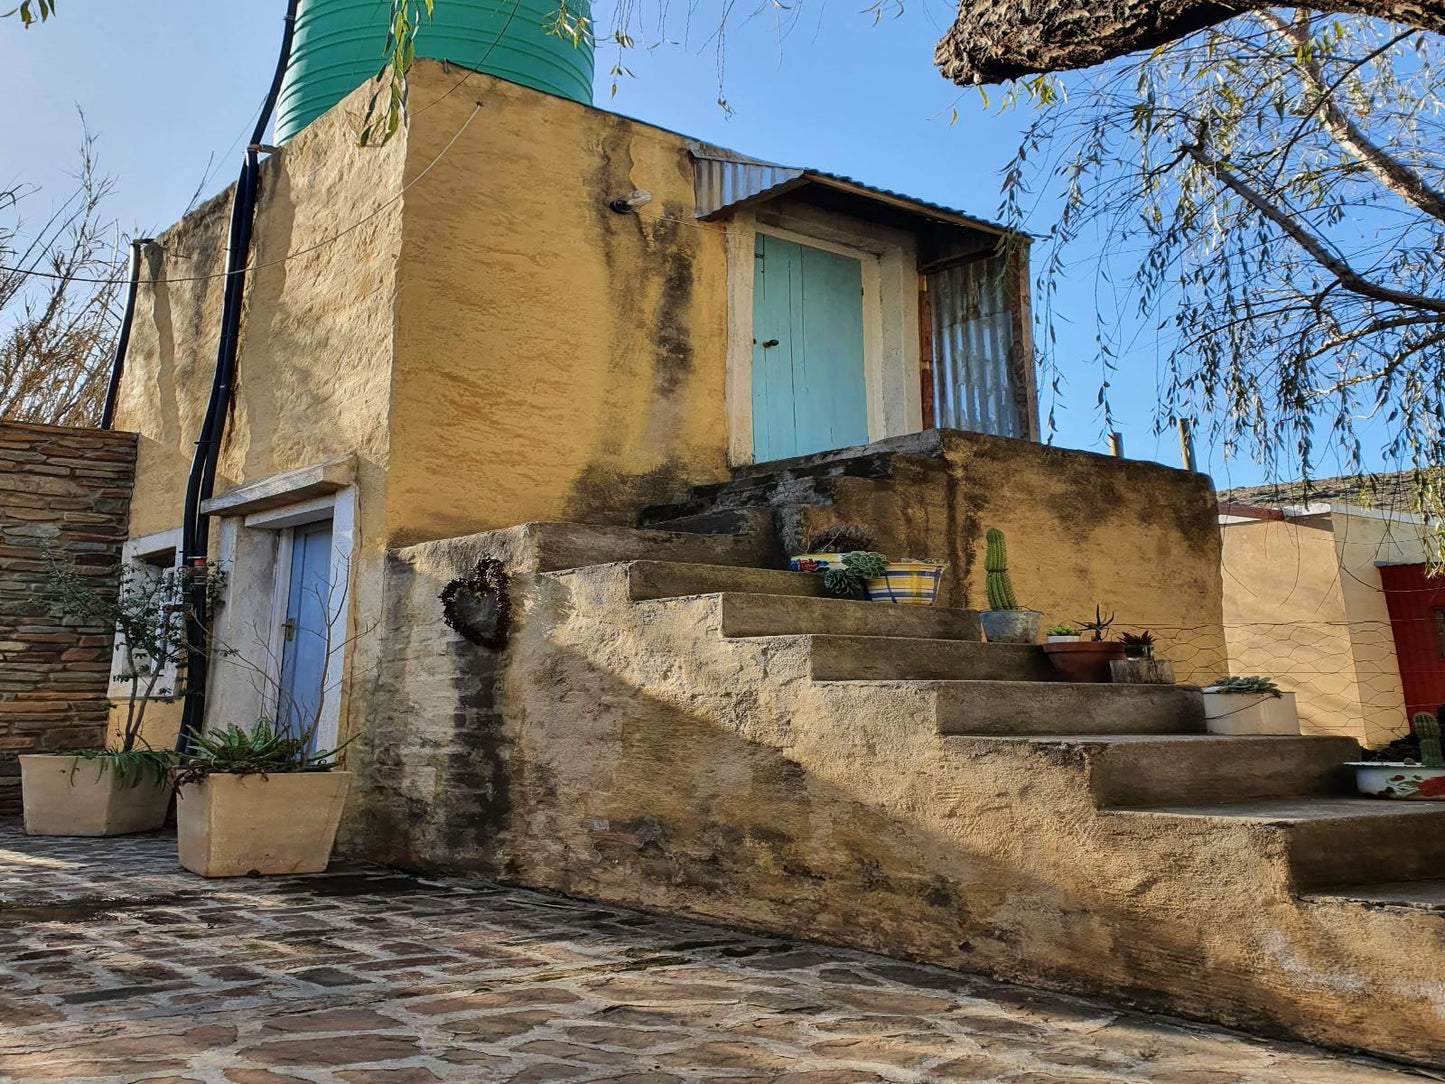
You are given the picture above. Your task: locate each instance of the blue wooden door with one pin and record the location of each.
(809, 393)
(304, 646)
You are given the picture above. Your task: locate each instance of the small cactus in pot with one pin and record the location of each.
(1004, 622)
(1420, 779)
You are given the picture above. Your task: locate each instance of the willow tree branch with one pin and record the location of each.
(1345, 275)
(995, 40)
(1391, 172)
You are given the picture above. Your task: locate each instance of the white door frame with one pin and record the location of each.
(891, 364)
(255, 550)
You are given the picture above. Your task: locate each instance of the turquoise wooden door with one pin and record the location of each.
(809, 393)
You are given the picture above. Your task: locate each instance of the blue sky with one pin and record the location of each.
(167, 86)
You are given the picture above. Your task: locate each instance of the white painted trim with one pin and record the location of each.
(263, 572)
(741, 244)
(130, 550)
(294, 515)
(1321, 508)
(892, 368)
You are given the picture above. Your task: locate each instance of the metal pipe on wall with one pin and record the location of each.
(195, 526)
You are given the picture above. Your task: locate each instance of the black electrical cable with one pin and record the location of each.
(117, 364)
(195, 526)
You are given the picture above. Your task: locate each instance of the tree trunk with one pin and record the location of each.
(994, 40)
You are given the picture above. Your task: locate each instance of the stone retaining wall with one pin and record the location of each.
(68, 489)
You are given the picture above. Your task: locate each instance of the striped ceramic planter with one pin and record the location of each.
(815, 562)
(908, 583)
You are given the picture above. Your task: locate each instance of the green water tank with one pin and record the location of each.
(339, 45)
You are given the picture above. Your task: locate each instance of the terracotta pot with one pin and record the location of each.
(234, 825)
(1084, 660)
(76, 796)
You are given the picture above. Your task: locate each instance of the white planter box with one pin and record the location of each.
(1250, 713)
(1412, 782)
(73, 796)
(233, 825)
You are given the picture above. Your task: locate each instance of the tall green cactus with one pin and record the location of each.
(995, 564)
(1427, 729)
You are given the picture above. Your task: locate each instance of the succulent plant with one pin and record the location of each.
(995, 563)
(1138, 645)
(841, 538)
(1099, 625)
(1244, 685)
(1427, 729)
(1061, 630)
(851, 580)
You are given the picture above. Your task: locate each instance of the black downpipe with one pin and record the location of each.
(117, 364)
(195, 526)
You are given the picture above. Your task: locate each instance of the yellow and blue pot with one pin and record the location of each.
(908, 583)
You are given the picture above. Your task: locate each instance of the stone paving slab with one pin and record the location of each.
(116, 966)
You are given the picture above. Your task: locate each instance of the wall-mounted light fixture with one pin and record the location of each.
(630, 202)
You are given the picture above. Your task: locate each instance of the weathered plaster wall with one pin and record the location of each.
(554, 359)
(1138, 539)
(1303, 604)
(314, 370)
(627, 751)
(67, 491)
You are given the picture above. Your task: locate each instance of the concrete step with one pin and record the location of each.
(671, 579)
(895, 658)
(1039, 706)
(1141, 770)
(733, 521)
(560, 546)
(1334, 841)
(786, 615)
(1415, 895)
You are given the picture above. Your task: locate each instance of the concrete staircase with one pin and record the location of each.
(721, 739)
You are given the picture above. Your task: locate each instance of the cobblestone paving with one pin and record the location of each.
(116, 966)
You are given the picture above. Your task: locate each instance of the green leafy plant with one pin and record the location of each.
(997, 580)
(1138, 645)
(145, 612)
(1061, 630)
(1427, 730)
(841, 538)
(265, 749)
(130, 767)
(1098, 626)
(1258, 685)
(851, 580)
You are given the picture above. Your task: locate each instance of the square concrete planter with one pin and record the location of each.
(1250, 713)
(234, 825)
(74, 796)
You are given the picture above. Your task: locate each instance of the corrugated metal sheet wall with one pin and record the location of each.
(1417, 607)
(972, 338)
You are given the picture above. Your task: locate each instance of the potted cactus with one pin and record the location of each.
(1003, 622)
(1421, 779)
(1063, 634)
(1086, 660)
(1249, 705)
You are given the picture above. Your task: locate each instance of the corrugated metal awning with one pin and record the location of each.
(726, 181)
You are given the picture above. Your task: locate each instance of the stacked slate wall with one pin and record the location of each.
(67, 490)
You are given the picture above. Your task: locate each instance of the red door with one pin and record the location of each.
(1417, 616)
